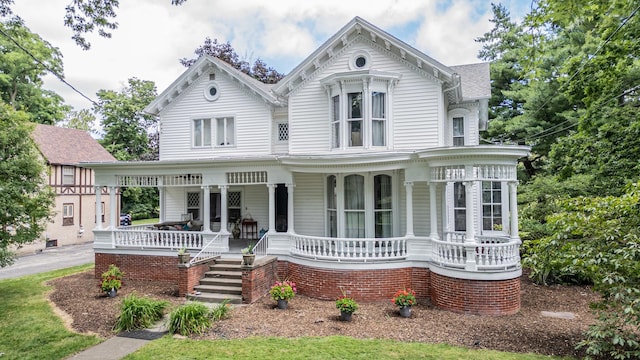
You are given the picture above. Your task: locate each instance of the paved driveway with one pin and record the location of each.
(49, 259)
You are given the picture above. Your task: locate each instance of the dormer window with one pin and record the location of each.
(359, 103)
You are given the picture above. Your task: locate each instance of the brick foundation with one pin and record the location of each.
(257, 280)
(479, 297)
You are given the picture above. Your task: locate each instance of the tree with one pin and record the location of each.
(25, 199)
(81, 120)
(126, 126)
(84, 17)
(130, 134)
(597, 239)
(225, 52)
(21, 75)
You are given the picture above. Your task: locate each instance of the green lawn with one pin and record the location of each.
(332, 347)
(28, 327)
(145, 221)
(30, 330)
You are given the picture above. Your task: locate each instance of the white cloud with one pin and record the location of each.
(153, 35)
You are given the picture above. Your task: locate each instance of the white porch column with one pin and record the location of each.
(161, 199)
(433, 210)
(290, 218)
(206, 213)
(513, 210)
(272, 207)
(224, 217)
(408, 187)
(470, 234)
(98, 190)
(470, 240)
(112, 208)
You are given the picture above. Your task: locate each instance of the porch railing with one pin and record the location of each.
(491, 253)
(209, 251)
(145, 238)
(260, 248)
(341, 249)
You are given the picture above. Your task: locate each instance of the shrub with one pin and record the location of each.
(112, 278)
(139, 313)
(404, 297)
(195, 318)
(346, 304)
(283, 290)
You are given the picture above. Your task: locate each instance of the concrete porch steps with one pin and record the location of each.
(222, 281)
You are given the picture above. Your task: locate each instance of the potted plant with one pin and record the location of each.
(347, 307)
(183, 256)
(111, 280)
(404, 299)
(248, 257)
(282, 292)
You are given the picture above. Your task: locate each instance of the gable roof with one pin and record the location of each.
(201, 66)
(476, 81)
(359, 28)
(62, 146)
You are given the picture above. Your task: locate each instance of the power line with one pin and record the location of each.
(582, 66)
(55, 73)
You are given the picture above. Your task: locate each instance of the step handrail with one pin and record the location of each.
(261, 247)
(207, 252)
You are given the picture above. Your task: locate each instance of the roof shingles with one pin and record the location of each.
(64, 146)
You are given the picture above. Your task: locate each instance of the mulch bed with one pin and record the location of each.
(88, 310)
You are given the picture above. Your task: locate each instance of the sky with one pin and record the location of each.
(153, 35)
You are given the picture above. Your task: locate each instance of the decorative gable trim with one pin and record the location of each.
(360, 30)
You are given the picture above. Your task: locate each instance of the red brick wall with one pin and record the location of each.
(189, 277)
(362, 285)
(257, 280)
(140, 267)
(480, 297)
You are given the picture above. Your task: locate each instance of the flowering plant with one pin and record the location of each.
(346, 304)
(283, 290)
(111, 279)
(404, 297)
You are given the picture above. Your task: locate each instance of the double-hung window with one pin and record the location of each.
(225, 131)
(354, 118)
(378, 119)
(67, 214)
(359, 206)
(459, 207)
(335, 122)
(68, 176)
(458, 131)
(491, 205)
(201, 132)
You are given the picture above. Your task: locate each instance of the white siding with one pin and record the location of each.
(252, 121)
(414, 108)
(308, 198)
(421, 220)
(256, 202)
(175, 203)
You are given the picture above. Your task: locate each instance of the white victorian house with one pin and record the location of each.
(365, 159)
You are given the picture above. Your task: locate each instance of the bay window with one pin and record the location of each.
(359, 108)
(354, 206)
(459, 207)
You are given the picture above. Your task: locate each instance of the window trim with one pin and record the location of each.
(72, 175)
(279, 131)
(207, 91)
(68, 214)
(202, 135)
(233, 135)
(354, 59)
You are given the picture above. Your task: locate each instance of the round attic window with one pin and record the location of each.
(360, 61)
(211, 91)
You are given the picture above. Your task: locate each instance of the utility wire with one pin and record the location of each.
(544, 133)
(47, 67)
